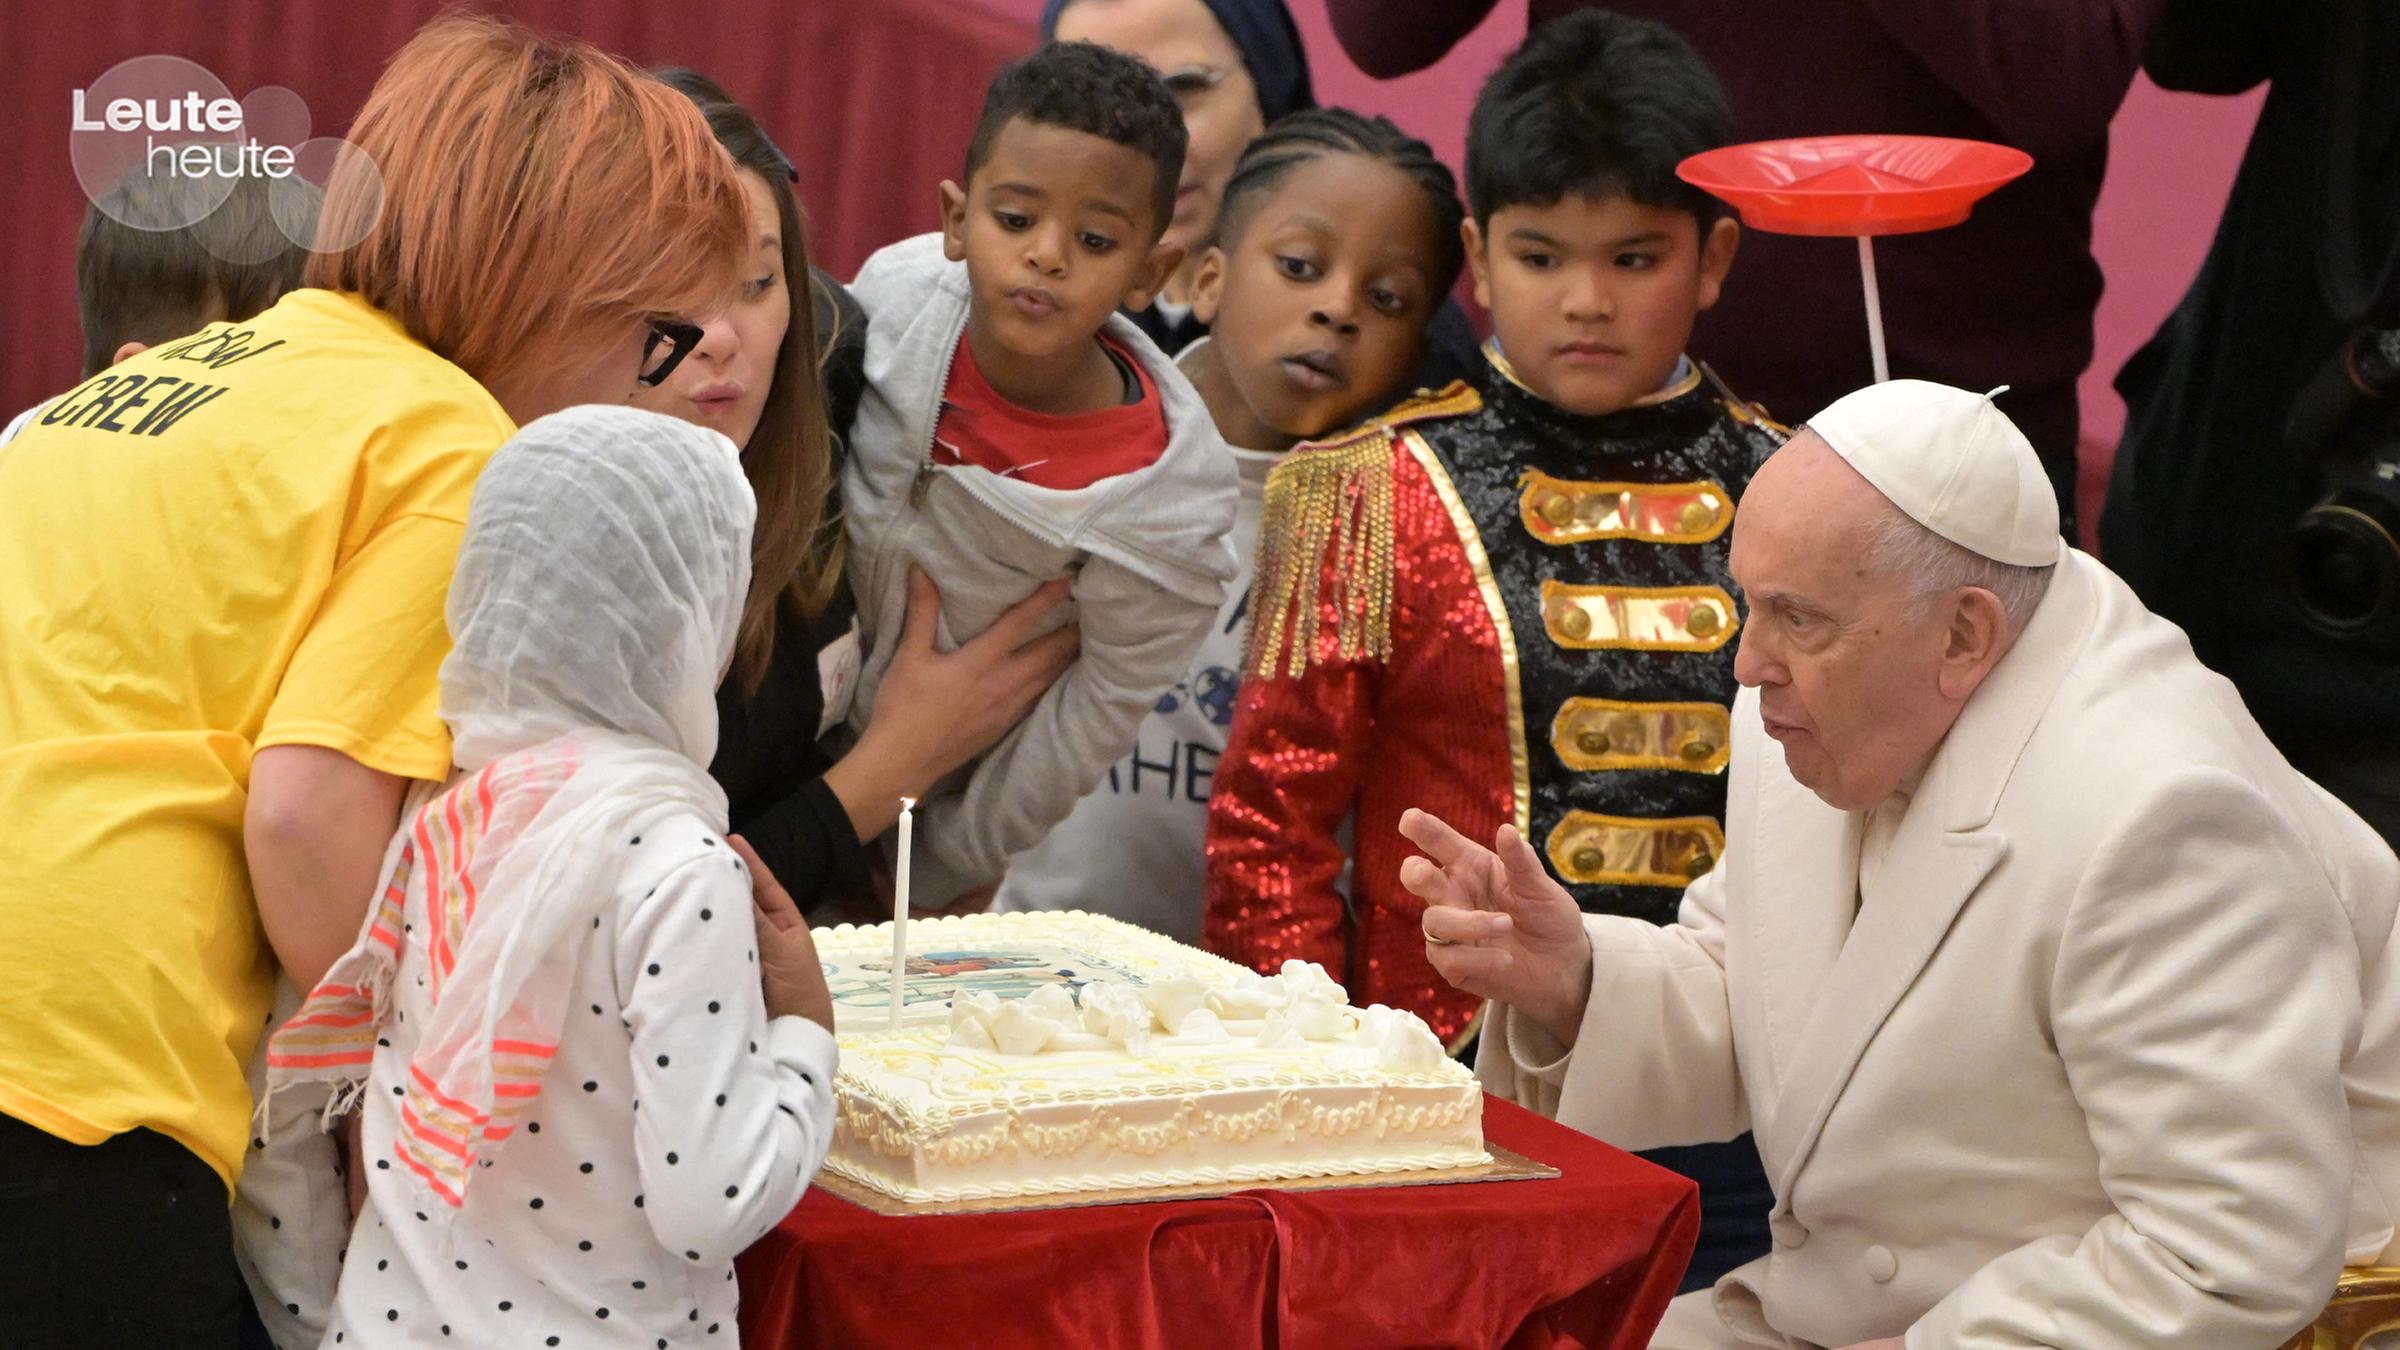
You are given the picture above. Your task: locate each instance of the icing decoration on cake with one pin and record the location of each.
(1068, 1052)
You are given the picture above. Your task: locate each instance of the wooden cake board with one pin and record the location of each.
(1506, 1165)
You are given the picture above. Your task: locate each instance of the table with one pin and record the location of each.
(1588, 1259)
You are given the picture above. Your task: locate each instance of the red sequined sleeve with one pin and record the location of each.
(1309, 750)
(1289, 773)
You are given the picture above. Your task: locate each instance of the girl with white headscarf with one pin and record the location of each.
(578, 1105)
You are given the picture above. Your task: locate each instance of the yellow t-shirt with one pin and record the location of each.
(232, 541)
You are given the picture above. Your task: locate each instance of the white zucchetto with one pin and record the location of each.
(1952, 462)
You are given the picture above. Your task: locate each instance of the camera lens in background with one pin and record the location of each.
(2346, 566)
(2375, 361)
(2345, 552)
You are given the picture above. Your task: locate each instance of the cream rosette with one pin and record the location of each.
(1292, 1008)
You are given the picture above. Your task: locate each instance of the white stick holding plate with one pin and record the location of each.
(908, 822)
(1866, 276)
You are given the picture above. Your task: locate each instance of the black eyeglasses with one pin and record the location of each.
(670, 340)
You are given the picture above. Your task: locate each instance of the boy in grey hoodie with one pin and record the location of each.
(1016, 428)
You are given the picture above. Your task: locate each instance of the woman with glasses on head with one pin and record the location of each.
(227, 560)
(783, 391)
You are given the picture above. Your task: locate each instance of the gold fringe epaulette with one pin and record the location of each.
(1328, 509)
(1743, 410)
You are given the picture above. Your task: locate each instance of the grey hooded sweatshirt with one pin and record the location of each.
(1148, 551)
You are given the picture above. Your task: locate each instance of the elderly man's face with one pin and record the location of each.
(1849, 682)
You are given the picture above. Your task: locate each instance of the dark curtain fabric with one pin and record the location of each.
(873, 102)
(2210, 484)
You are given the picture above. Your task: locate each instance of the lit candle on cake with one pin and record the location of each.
(908, 823)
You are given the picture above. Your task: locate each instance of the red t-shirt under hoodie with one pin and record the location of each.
(1053, 450)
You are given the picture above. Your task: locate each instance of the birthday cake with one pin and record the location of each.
(1040, 1054)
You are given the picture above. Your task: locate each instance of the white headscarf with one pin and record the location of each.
(600, 585)
(598, 593)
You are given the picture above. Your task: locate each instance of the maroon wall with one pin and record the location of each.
(872, 99)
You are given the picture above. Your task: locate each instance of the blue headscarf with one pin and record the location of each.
(1263, 31)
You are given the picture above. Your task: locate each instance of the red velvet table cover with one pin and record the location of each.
(1589, 1258)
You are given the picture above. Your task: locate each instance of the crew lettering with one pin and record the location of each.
(67, 406)
(176, 408)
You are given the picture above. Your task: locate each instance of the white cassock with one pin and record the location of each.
(2110, 1057)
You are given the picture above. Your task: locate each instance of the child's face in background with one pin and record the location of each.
(1318, 307)
(1057, 230)
(1594, 299)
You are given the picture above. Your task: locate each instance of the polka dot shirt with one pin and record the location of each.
(676, 1125)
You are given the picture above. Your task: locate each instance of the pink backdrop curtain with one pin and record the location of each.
(872, 99)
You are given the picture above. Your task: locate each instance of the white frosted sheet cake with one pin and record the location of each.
(1041, 1054)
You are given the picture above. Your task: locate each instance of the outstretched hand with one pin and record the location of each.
(1496, 924)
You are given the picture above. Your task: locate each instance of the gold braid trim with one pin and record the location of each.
(1328, 510)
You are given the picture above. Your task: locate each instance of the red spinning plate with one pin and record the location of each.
(1854, 185)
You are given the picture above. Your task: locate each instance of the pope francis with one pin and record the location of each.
(2058, 1002)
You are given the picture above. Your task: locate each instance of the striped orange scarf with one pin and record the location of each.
(471, 1075)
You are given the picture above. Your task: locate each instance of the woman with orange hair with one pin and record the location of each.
(227, 560)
